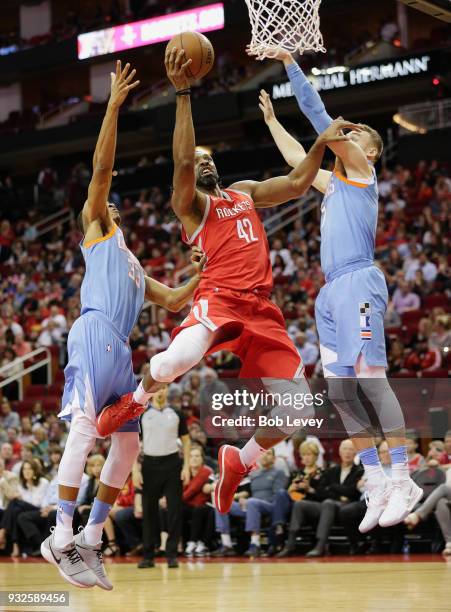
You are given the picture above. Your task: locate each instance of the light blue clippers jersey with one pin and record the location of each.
(113, 282)
(348, 224)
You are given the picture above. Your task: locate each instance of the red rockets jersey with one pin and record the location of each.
(234, 240)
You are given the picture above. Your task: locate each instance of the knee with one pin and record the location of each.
(163, 367)
(328, 504)
(442, 504)
(281, 495)
(252, 504)
(22, 518)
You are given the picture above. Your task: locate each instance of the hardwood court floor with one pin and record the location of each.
(384, 584)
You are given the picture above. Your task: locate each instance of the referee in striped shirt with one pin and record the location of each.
(164, 474)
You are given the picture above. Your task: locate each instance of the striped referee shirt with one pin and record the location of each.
(160, 431)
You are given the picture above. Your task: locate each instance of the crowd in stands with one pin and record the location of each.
(300, 486)
(294, 503)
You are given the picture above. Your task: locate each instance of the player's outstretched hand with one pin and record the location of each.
(121, 83)
(198, 259)
(266, 106)
(334, 133)
(176, 67)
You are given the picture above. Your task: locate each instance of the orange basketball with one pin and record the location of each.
(197, 48)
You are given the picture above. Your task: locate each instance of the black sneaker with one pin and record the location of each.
(146, 563)
(224, 551)
(287, 551)
(253, 551)
(173, 563)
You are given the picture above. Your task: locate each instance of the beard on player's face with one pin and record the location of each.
(207, 181)
(206, 176)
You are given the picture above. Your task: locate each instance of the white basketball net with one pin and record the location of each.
(292, 25)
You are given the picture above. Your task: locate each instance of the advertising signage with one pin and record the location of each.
(150, 31)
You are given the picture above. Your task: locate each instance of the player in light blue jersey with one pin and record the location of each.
(99, 368)
(350, 307)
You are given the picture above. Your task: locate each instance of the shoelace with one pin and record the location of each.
(73, 555)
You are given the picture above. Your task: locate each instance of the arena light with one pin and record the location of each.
(408, 125)
(150, 31)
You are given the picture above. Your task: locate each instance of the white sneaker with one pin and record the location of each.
(201, 550)
(68, 562)
(190, 548)
(404, 496)
(376, 498)
(92, 556)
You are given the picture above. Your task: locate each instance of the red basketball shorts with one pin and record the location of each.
(250, 326)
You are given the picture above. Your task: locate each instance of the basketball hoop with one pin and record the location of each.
(292, 25)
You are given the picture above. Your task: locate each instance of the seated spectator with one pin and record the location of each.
(196, 509)
(439, 502)
(391, 317)
(436, 454)
(9, 489)
(32, 490)
(8, 418)
(303, 485)
(55, 454)
(337, 487)
(35, 525)
(308, 351)
(416, 460)
(26, 433)
(13, 434)
(37, 413)
(125, 499)
(7, 454)
(264, 484)
(404, 300)
(40, 442)
(128, 519)
(94, 466)
(441, 335)
(209, 386)
(26, 454)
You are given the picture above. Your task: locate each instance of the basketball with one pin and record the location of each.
(197, 48)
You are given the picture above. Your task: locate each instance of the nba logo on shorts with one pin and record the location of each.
(365, 324)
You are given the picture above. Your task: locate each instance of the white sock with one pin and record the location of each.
(140, 396)
(251, 452)
(226, 540)
(375, 475)
(400, 471)
(255, 539)
(93, 533)
(63, 535)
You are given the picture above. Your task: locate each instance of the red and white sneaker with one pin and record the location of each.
(115, 415)
(231, 472)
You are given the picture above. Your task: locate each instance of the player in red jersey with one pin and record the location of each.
(232, 308)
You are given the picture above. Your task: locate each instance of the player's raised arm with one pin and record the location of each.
(351, 154)
(187, 202)
(281, 189)
(292, 151)
(96, 205)
(174, 299)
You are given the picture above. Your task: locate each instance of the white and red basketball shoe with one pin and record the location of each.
(231, 472)
(115, 415)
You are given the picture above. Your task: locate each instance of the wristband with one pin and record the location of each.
(183, 92)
